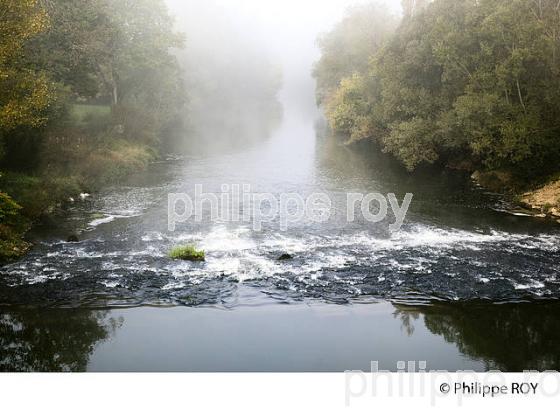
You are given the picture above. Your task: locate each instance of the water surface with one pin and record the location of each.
(457, 247)
(298, 337)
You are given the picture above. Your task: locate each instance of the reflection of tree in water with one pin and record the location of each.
(407, 317)
(52, 340)
(507, 337)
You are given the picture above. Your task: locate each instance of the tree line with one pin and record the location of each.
(90, 90)
(469, 84)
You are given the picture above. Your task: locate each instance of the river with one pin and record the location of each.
(462, 285)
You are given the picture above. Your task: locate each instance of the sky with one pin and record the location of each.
(287, 28)
(284, 30)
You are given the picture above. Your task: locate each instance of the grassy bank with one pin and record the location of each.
(83, 102)
(26, 197)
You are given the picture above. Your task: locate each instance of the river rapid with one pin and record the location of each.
(456, 244)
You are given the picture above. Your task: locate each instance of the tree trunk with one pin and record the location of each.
(521, 97)
(115, 93)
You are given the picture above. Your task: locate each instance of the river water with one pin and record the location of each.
(460, 267)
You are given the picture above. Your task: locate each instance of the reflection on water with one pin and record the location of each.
(510, 338)
(52, 340)
(315, 337)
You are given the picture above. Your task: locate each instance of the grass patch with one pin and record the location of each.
(36, 195)
(114, 161)
(187, 253)
(25, 198)
(85, 114)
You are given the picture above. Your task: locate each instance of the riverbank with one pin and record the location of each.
(25, 198)
(540, 200)
(544, 200)
(72, 122)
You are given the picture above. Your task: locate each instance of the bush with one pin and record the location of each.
(12, 228)
(458, 80)
(37, 195)
(9, 209)
(87, 115)
(113, 161)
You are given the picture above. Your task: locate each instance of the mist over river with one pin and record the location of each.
(462, 285)
(456, 246)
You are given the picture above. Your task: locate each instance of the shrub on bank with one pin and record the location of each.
(33, 196)
(114, 161)
(12, 227)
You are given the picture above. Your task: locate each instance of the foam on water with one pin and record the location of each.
(110, 218)
(441, 263)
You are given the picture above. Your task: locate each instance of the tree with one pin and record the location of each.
(474, 81)
(351, 108)
(26, 92)
(76, 47)
(117, 51)
(413, 7)
(140, 46)
(474, 77)
(347, 49)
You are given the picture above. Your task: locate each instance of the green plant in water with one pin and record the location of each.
(187, 253)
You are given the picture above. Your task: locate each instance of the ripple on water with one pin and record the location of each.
(421, 260)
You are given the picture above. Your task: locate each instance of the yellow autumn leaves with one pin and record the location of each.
(26, 93)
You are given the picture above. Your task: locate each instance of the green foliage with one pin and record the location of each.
(90, 90)
(187, 253)
(350, 108)
(26, 92)
(113, 161)
(35, 195)
(462, 79)
(12, 244)
(9, 209)
(12, 228)
(113, 56)
(85, 115)
(25, 189)
(347, 49)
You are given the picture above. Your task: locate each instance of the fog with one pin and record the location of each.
(299, 185)
(242, 54)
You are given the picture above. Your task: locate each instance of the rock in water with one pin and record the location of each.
(73, 238)
(286, 257)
